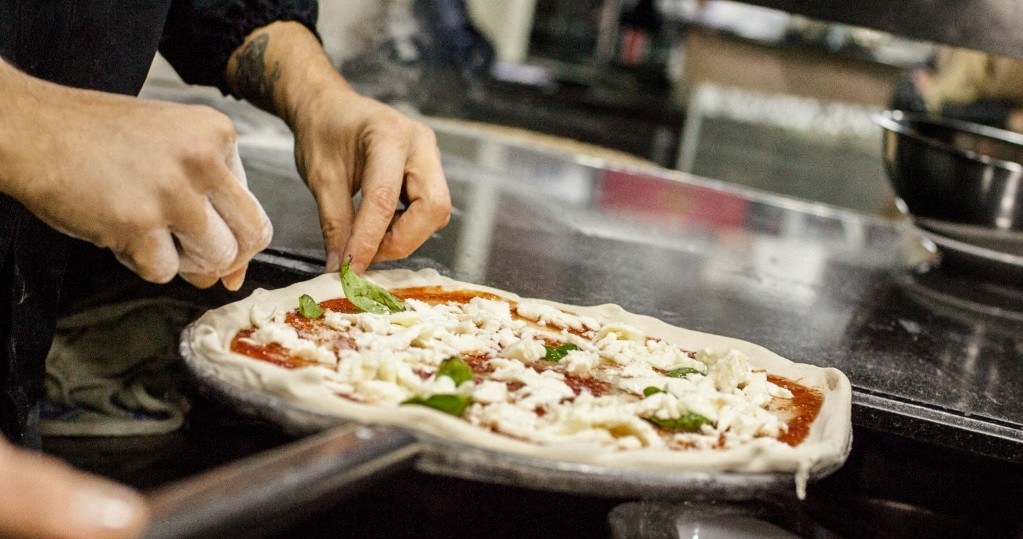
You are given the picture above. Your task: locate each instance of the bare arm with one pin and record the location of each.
(345, 143)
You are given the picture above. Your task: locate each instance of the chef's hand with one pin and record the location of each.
(346, 143)
(160, 184)
(41, 497)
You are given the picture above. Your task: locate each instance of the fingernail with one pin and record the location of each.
(199, 281)
(333, 261)
(234, 281)
(106, 508)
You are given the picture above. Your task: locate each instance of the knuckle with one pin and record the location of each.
(439, 210)
(395, 247)
(401, 249)
(426, 134)
(444, 221)
(382, 199)
(210, 150)
(394, 120)
(128, 224)
(151, 255)
(151, 270)
(334, 230)
(204, 163)
(139, 216)
(223, 255)
(265, 236)
(387, 126)
(218, 122)
(256, 237)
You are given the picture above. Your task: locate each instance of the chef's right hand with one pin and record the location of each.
(158, 183)
(43, 498)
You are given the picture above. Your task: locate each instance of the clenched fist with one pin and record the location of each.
(160, 184)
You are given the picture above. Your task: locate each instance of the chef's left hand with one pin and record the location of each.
(346, 143)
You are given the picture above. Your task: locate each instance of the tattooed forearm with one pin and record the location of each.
(253, 79)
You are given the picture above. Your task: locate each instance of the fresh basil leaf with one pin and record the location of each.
(308, 307)
(651, 390)
(445, 402)
(690, 422)
(556, 353)
(367, 295)
(681, 372)
(456, 369)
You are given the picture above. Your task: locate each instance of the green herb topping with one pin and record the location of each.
(555, 353)
(690, 422)
(308, 307)
(366, 295)
(651, 390)
(445, 402)
(456, 369)
(681, 372)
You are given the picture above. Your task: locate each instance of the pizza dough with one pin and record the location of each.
(826, 445)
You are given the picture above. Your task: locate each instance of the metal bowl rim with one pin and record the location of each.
(890, 120)
(976, 251)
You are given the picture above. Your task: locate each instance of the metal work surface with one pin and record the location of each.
(815, 284)
(934, 356)
(985, 25)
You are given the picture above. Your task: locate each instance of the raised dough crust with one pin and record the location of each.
(825, 446)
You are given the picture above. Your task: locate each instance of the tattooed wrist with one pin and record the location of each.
(254, 78)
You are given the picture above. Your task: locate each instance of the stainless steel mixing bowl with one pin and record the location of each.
(954, 171)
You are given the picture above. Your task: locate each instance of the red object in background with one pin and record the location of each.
(635, 46)
(664, 200)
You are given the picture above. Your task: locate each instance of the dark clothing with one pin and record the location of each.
(102, 45)
(32, 261)
(105, 45)
(108, 45)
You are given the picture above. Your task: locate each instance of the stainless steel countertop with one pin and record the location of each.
(932, 356)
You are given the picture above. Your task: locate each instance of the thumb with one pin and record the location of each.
(41, 497)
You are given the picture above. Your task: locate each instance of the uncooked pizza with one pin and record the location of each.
(482, 366)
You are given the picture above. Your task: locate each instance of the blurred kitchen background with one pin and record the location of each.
(723, 90)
